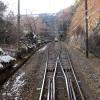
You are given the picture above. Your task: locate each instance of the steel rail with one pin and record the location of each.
(80, 91)
(51, 95)
(70, 90)
(54, 78)
(48, 96)
(51, 91)
(44, 77)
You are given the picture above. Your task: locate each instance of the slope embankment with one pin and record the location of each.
(77, 27)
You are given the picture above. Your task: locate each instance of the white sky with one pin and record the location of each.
(38, 6)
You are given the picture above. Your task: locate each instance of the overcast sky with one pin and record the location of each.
(38, 6)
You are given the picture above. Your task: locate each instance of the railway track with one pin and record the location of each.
(60, 82)
(48, 73)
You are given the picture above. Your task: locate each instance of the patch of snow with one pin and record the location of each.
(8, 94)
(6, 85)
(18, 83)
(42, 49)
(6, 58)
(16, 98)
(1, 50)
(35, 36)
(13, 88)
(15, 66)
(31, 46)
(1, 66)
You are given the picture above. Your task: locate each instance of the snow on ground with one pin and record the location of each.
(1, 50)
(1, 66)
(18, 82)
(6, 58)
(15, 65)
(15, 87)
(42, 49)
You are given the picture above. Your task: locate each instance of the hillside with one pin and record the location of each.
(77, 26)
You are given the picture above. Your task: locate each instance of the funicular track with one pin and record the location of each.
(60, 82)
(70, 73)
(48, 73)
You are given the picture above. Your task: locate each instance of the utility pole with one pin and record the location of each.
(18, 17)
(86, 27)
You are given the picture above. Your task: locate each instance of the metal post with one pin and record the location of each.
(18, 16)
(86, 21)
